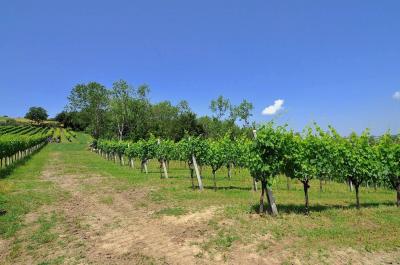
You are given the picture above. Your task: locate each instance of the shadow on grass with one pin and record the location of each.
(227, 188)
(300, 209)
(6, 171)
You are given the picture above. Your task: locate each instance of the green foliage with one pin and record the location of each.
(37, 114)
(216, 155)
(389, 156)
(267, 152)
(11, 144)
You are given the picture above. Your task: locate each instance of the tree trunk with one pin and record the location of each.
(351, 185)
(215, 181)
(263, 189)
(356, 187)
(230, 171)
(288, 183)
(398, 195)
(320, 185)
(306, 187)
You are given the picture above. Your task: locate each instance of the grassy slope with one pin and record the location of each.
(334, 223)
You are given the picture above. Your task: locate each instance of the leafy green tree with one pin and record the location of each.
(220, 107)
(121, 105)
(93, 100)
(243, 112)
(164, 118)
(186, 123)
(37, 114)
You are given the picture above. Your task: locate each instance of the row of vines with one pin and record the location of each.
(275, 150)
(21, 141)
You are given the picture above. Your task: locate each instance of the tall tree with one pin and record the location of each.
(120, 105)
(92, 99)
(220, 107)
(163, 119)
(244, 112)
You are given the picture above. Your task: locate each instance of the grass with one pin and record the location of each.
(333, 222)
(172, 211)
(21, 191)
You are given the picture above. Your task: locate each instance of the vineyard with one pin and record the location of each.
(195, 201)
(19, 142)
(315, 154)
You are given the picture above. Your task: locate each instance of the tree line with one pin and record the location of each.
(125, 112)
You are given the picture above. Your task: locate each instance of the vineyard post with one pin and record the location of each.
(163, 162)
(196, 168)
(122, 160)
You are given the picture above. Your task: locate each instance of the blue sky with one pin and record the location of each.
(334, 62)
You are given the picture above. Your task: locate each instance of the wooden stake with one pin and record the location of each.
(196, 168)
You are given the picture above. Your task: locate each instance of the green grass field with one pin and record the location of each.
(222, 226)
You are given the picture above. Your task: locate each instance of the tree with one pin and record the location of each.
(120, 105)
(92, 99)
(187, 123)
(220, 106)
(243, 112)
(37, 114)
(163, 119)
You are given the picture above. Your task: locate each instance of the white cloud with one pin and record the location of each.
(396, 95)
(273, 109)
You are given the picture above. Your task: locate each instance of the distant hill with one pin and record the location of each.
(23, 121)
